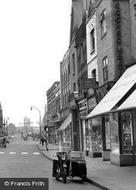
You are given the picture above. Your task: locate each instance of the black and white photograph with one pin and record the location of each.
(68, 94)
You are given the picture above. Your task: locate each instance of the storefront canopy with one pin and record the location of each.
(121, 87)
(65, 123)
(129, 103)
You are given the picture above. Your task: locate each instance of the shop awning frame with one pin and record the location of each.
(129, 103)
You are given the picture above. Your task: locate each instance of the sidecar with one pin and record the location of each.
(77, 164)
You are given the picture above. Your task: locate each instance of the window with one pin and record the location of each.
(105, 69)
(135, 10)
(92, 40)
(73, 61)
(94, 74)
(74, 86)
(114, 133)
(127, 137)
(79, 57)
(68, 72)
(103, 23)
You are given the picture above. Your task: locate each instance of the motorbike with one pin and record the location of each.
(74, 165)
(60, 166)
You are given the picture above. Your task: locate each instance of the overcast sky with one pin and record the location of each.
(34, 36)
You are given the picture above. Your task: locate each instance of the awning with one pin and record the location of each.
(121, 87)
(65, 123)
(129, 103)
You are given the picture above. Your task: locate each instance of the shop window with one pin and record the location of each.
(103, 23)
(96, 135)
(114, 133)
(107, 133)
(105, 69)
(127, 137)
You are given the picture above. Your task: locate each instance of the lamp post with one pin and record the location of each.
(34, 107)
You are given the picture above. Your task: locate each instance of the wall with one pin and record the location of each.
(133, 29)
(105, 45)
(91, 56)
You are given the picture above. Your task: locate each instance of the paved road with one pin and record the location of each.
(22, 159)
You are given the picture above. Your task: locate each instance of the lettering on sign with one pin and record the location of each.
(118, 34)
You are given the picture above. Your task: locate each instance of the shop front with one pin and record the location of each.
(64, 134)
(94, 140)
(124, 153)
(117, 111)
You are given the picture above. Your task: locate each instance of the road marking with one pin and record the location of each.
(36, 153)
(2, 152)
(24, 152)
(12, 152)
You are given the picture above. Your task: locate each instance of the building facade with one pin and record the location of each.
(53, 110)
(114, 45)
(92, 69)
(65, 132)
(77, 10)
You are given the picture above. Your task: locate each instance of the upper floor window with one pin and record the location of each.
(94, 74)
(92, 40)
(105, 69)
(74, 86)
(73, 61)
(135, 10)
(103, 23)
(68, 72)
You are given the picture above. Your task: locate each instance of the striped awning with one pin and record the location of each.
(66, 123)
(116, 93)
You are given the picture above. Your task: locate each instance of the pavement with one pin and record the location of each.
(101, 173)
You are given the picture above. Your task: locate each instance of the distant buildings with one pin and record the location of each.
(53, 111)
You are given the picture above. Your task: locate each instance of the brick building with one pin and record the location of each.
(114, 114)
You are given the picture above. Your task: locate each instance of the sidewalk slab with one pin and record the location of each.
(101, 173)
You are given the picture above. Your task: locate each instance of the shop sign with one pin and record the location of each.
(118, 34)
(102, 91)
(83, 114)
(91, 103)
(88, 83)
(82, 108)
(96, 121)
(82, 104)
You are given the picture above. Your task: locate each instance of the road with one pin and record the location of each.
(22, 159)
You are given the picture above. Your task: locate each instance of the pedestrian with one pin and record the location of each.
(46, 143)
(42, 141)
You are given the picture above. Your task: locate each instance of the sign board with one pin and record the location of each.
(88, 83)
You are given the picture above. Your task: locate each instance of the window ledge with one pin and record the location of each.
(92, 51)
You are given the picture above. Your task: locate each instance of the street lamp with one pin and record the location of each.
(33, 107)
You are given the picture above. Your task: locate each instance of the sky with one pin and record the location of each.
(34, 36)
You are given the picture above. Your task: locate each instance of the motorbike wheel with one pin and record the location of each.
(83, 178)
(64, 177)
(57, 178)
